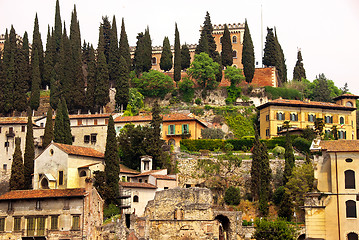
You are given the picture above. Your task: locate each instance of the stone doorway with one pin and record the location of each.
(224, 227)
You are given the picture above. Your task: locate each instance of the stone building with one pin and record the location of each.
(331, 212)
(302, 114)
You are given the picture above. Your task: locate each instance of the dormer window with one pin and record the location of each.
(349, 104)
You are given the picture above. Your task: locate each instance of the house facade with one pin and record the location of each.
(331, 213)
(302, 114)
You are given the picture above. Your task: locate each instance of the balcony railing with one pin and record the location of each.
(125, 194)
(178, 133)
(10, 134)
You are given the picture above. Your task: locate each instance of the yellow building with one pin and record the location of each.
(331, 213)
(302, 114)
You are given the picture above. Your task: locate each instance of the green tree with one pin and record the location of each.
(38, 47)
(106, 31)
(206, 42)
(124, 48)
(280, 62)
(299, 71)
(212, 133)
(113, 62)
(49, 58)
(204, 70)
(232, 196)
(248, 54)
(186, 89)
(227, 51)
(9, 71)
(153, 84)
(234, 75)
(321, 89)
(36, 81)
(177, 60)
(29, 154)
(319, 125)
(17, 177)
(285, 210)
(91, 78)
(278, 230)
(112, 164)
(289, 159)
(57, 31)
(185, 57)
(143, 53)
(102, 86)
(270, 49)
(49, 129)
(62, 130)
(122, 86)
(67, 126)
(135, 102)
(166, 56)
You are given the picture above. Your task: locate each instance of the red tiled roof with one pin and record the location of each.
(81, 151)
(264, 76)
(124, 169)
(164, 177)
(43, 193)
(148, 173)
(340, 145)
(102, 115)
(13, 120)
(137, 185)
(346, 95)
(309, 104)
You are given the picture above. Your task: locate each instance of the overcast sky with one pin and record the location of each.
(327, 31)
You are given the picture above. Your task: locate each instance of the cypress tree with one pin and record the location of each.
(49, 130)
(2, 83)
(177, 60)
(122, 86)
(139, 54)
(206, 42)
(255, 168)
(59, 132)
(155, 146)
(185, 57)
(77, 95)
(49, 58)
(112, 164)
(147, 53)
(17, 178)
(124, 48)
(248, 55)
(270, 49)
(113, 62)
(37, 45)
(29, 154)
(101, 41)
(166, 56)
(280, 65)
(36, 81)
(289, 159)
(106, 28)
(299, 71)
(58, 31)
(91, 79)
(102, 87)
(227, 51)
(66, 121)
(26, 64)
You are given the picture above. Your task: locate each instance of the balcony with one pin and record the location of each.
(125, 194)
(10, 134)
(125, 203)
(178, 133)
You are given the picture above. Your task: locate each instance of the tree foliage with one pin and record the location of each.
(277, 229)
(124, 48)
(248, 54)
(178, 57)
(29, 154)
(62, 130)
(234, 75)
(227, 51)
(206, 42)
(186, 90)
(232, 196)
(143, 52)
(185, 57)
(212, 133)
(122, 86)
(135, 102)
(289, 159)
(166, 56)
(299, 71)
(49, 129)
(17, 177)
(36, 81)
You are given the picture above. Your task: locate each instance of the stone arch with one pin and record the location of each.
(44, 184)
(301, 237)
(224, 227)
(352, 236)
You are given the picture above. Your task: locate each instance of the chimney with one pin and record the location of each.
(146, 163)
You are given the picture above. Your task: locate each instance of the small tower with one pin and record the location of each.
(348, 100)
(146, 163)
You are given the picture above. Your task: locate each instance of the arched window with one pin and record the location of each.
(352, 236)
(44, 184)
(294, 117)
(351, 209)
(311, 117)
(234, 39)
(280, 116)
(83, 173)
(341, 120)
(234, 54)
(349, 179)
(349, 104)
(154, 61)
(135, 198)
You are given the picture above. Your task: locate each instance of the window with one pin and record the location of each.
(61, 177)
(267, 132)
(280, 116)
(66, 204)
(83, 173)
(2, 224)
(123, 179)
(95, 122)
(75, 222)
(279, 128)
(106, 121)
(38, 205)
(351, 209)
(30, 226)
(51, 152)
(93, 138)
(4, 167)
(54, 222)
(17, 223)
(328, 119)
(154, 61)
(11, 130)
(86, 138)
(342, 134)
(140, 180)
(42, 125)
(7, 144)
(185, 129)
(341, 120)
(349, 160)
(79, 122)
(165, 188)
(349, 104)
(40, 230)
(9, 206)
(267, 117)
(234, 54)
(311, 117)
(0, 129)
(349, 179)
(294, 117)
(352, 236)
(171, 129)
(234, 39)
(23, 128)
(135, 198)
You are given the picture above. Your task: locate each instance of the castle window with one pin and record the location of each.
(280, 116)
(23, 128)
(349, 179)
(342, 134)
(171, 129)
(83, 173)
(234, 39)
(185, 129)
(328, 119)
(294, 117)
(38, 205)
(341, 120)
(135, 198)
(279, 128)
(234, 54)
(267, 132)
(349, 104)
(311, 117)
(79, 122)
(348, 160)
(352, 236)
(154, 61)
(95, 122)
(351, 209)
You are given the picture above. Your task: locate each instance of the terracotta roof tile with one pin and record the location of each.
(137, 185)
(310, 104)
(102, 115)
(13, 120)
(124, 169)
(148, 173)
(346, 95)
(264, 76)
(43, 193)
(340, 145)
(81, 151)
(164, 177)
